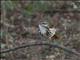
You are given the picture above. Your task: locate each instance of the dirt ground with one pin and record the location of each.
(19, 26)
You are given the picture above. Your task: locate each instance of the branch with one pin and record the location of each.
(47, 44)
(61, 11)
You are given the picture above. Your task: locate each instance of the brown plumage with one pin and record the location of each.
(54, 37)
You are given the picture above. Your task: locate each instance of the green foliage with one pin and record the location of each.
(2, 34)
(36, 6)
(9, 5)
(2, 45)
(40, 6)
(28, 10)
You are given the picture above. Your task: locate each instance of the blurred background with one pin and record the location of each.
(19, 26)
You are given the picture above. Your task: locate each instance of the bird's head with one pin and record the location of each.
(44, 24)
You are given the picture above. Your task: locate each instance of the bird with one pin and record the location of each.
(46, 31)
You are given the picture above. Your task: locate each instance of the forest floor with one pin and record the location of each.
(19, 26)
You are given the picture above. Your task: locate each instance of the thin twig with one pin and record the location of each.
(62, 11)
(47, 44)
